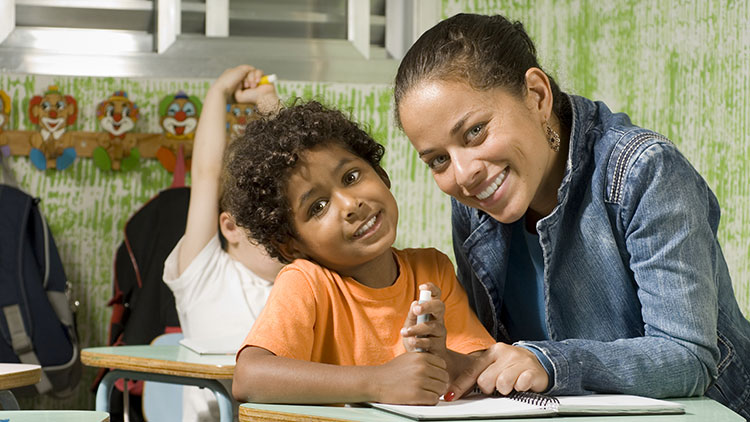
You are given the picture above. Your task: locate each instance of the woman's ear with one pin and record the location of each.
(538, 92)
(383, 175)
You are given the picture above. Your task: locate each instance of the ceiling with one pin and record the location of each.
(320, 40)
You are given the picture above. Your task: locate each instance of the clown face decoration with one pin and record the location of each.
(4, 109)
(117, 116)
(238, 116)
(179, 118)
(179, 115)
(54, 113)
(4, 117)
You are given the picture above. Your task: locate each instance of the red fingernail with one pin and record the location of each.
(449, 396)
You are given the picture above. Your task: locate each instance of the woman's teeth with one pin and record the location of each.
(493, 187)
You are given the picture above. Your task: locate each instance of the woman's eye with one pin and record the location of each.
(474, 132)
(351, 177)
(438, 162)
(317, 207)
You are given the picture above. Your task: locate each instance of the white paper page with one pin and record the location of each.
(213, 346)
(473, 407)
(616, 403)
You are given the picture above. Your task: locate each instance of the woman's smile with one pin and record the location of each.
(494, 186)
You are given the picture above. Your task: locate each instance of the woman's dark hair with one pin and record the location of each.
(483, 51)
(257, 166)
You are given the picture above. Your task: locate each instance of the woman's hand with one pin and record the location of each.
(504, 368)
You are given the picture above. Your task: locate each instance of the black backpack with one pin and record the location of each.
(143, 307)
(37, 323)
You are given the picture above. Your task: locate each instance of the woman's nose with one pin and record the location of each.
(467, 171)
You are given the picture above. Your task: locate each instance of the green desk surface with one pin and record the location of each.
(697, 409)
(171, 360)
(53, 416)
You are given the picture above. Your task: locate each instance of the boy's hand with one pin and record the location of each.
(412, 378)
(242, 81)
(428, 336)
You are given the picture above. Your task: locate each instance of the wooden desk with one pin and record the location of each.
(14, 375)
(54, 416)
(171, 364)
(697, 409)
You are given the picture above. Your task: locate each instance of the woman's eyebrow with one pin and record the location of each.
(460, 123)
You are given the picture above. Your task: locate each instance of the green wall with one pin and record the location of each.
(677, 67)
(681, 68)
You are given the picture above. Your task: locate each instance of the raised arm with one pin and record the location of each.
(208, 150)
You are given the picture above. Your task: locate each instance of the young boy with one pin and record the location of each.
(219, 291)
(308, 186)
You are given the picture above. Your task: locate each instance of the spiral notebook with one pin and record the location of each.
(477, 406)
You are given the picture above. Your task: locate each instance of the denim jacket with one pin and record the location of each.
(638, 296)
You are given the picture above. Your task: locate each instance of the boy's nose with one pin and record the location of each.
(351, 206)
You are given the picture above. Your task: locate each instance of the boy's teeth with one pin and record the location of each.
(492, 188)
(366, 227)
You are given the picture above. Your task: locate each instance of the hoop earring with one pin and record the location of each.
(553, 138)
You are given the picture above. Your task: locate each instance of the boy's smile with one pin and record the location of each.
(344, 214)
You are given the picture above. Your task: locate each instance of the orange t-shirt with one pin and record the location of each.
(314, 314)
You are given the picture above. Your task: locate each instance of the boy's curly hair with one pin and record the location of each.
(257, 166)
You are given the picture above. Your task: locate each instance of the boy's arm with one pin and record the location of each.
(208, 150)
(411, 378)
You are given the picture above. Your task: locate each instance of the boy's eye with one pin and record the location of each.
(317, 207)
(437, 162)
(351, 177)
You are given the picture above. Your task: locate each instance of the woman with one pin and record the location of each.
(589, 238)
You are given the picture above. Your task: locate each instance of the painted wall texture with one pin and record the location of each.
(681, 68)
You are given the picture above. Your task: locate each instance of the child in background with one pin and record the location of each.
(219, 289)
(340, 324)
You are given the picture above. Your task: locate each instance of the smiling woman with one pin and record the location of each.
(579, 236)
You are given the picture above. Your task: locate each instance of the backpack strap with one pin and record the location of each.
(21, 343)
(178, 176)
(7, 174)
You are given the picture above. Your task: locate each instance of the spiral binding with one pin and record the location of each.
(536, 399)
(528, 397)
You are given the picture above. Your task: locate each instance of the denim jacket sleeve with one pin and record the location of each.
(667, 218)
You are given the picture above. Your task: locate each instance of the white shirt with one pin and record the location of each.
(216, 296)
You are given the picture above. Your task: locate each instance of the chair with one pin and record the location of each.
(162, 402)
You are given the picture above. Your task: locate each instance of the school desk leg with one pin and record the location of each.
(222, 396)
(224, 401)
(8, 401)
(104, 390)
